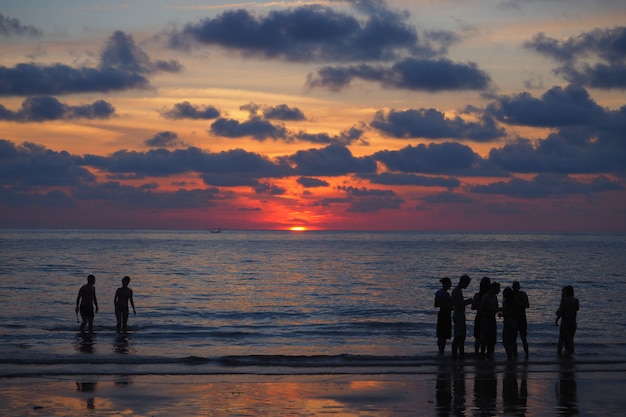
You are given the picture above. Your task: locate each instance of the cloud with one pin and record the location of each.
(547, 185)
(185, 110)
(283, 112)
(431, 75)
(346, 137)
(448, 157)
(446, 198)
(364, 200)
(573, 150)
(308, 182)
(255, 127)
(332, 160)
(163, 162)
(10, 27)
(390, 178)
(165, 139)
(147, 197)
(46, 108)
(30, 165)
(595, 59)
(123, 65)
(557, 107)
(433, 124)
(307, 33)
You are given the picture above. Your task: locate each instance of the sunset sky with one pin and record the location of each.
(484, 115)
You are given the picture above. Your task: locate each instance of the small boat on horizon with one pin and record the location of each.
(215, 230)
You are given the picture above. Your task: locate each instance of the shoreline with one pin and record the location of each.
(450, 388)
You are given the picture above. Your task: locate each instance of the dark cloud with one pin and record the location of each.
(575, 151)
(267, 188)
(46, 108)
(30, 165)
(147, 197)
(446, 198)
(595, 59)
(547, 185)
(430, 75)
(255, 127)
(123, 65)
(308, 33)
(433, 124)
(449, 157)
(346, 137)
(557, 107)
(308, 182)
(185, 110)
(163, 162)
(13, 27)
(165, 139)
(332, 160)
(389, 178)
(283, 112)
(279, 112)
(364, 200)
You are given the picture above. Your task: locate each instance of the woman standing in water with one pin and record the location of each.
(443, 301)
(567, 314)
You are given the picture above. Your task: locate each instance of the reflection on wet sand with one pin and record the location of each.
(85, 342)
(514, 393)
(567, 390)
(450, 390)
(485, 388)
(120, 345)
(88, 387)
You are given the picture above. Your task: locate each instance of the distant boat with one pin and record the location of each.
(215, 230)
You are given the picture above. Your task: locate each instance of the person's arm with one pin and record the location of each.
(78, 300)
(132, 303)
(95, 299)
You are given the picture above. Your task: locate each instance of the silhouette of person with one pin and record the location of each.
(87, 300)
(443, 301)
(567, 314)
(485, 283)
(488, 327)
(459, 303)
(123, 296)
(509, 328)
(522, 323)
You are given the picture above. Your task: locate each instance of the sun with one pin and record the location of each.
(297, 228)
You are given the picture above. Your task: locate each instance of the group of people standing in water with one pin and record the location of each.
(513, 312)
(87, 304)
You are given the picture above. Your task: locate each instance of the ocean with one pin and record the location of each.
(279, 302)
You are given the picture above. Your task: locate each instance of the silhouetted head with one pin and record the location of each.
(446, 282)
(464, 281)
(125, 281)
(495, 288)
(91, 279)
(568, 291)
(515, 286)
(507, 293)
(485, 283)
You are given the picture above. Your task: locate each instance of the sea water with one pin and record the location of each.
(289, 302)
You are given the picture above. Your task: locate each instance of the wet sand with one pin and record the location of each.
(453, 389)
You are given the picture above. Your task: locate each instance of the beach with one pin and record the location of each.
(281, 324)
(451, 388)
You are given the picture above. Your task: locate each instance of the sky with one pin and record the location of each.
(441, 115)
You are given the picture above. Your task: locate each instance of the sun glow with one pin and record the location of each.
(297, 228)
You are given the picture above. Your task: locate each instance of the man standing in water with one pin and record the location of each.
(87, 300)
(122, 296)
(458, 342)
(522, 324)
